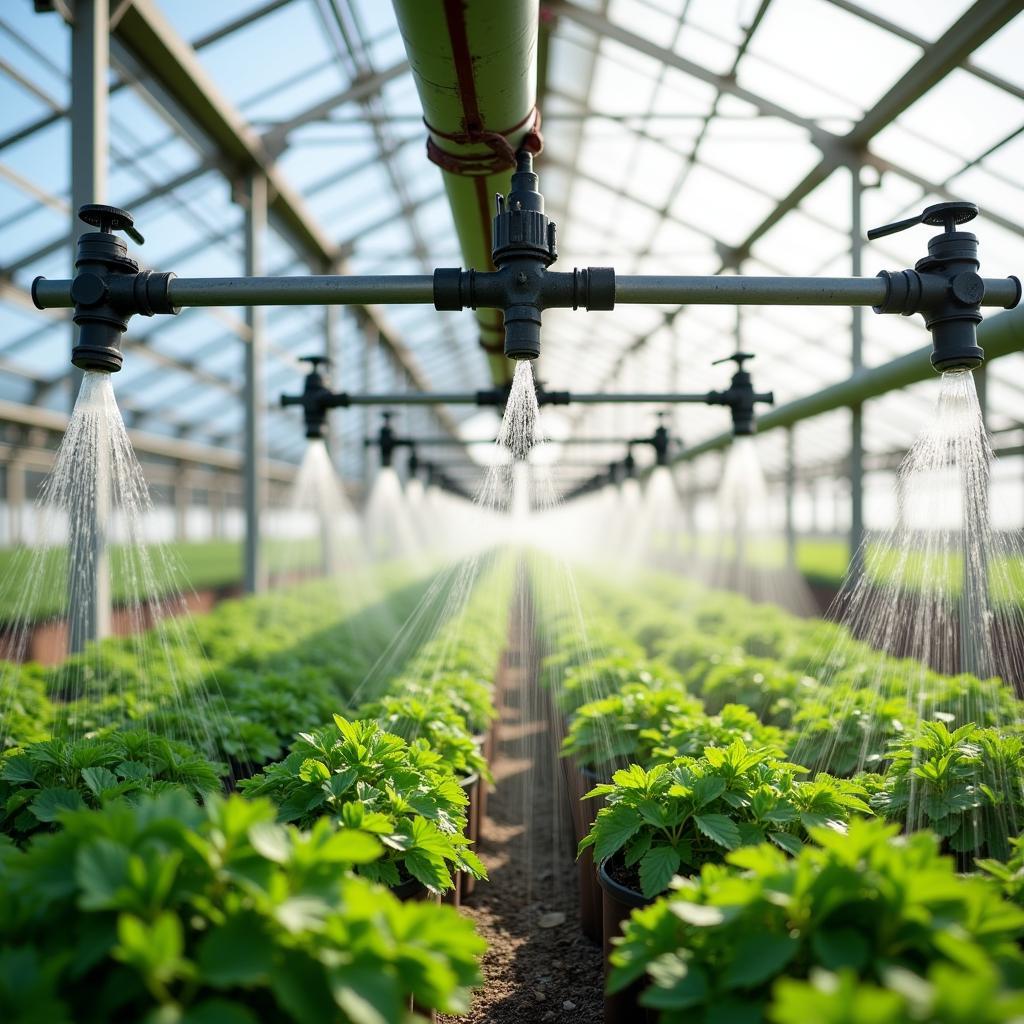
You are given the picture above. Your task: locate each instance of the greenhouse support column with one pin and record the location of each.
(790, 497)
(369, 344)
(253, 478)
(89, 594)
(14, 473)
(182, 499)
(90, 62)
(218, 500)
(857, 364)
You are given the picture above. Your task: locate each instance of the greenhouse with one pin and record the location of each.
(511, 511)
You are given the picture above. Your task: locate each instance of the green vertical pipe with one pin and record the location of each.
(474, 63)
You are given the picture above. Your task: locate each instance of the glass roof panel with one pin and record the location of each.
(646, 168)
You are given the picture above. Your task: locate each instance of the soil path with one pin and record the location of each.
(539, 967)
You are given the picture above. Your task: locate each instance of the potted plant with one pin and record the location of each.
(373, 782)
(966, 785)
(163, 910)
(43, 779)
(865, 901)
(690, 812)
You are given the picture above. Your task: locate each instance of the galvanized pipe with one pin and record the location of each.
(419, 288)
(779, 291)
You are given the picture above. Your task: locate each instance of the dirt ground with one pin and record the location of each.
(539, 967)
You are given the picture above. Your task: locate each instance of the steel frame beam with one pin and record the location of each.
(173, 63)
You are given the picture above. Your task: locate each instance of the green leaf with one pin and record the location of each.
(153, 949)
(697, 913)
(102, 874)
(99, 780)
(238, 952)
(757, 958)
(341, 782)
(366, 995)
(20, 769)
(719, 829)
(657, 867)
(705, 790)
(51, 803)
(614, 827)
(218, 1011)
(786, 841)
(312, 770)
(271, 841)
(429, 869)
(300, 986)
(837, 948)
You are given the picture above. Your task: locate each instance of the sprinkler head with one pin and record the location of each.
(316, 398)
(945, 286)
(524, 243)
(109, 288)
(740, 396)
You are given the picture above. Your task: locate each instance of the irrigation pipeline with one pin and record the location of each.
(328, 290)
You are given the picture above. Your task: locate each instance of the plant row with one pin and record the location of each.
(134, 886)
(753, 792)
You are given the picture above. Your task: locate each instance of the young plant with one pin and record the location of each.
(772, 692)
(693, 811)
(436, 720)
(470, 695)
(1008, 873)
(948, 995)
(375, 783)
(864, 902)
(687, 736)
(845, 730)
(163, 911)
(966, 785)
(625, 727)
(44, 779)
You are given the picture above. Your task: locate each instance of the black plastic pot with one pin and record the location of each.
(618, 902)
(579, 782)
(465, 884)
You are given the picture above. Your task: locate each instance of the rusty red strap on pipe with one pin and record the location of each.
(502, 157)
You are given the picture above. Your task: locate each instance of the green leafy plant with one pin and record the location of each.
(373, 782)
(435, 719)
(692, 811)
(966, 785)
(164, 911)
(688, 735)
(40, 781)
(950, 994)
(864, 902)
(469, 694)
(769, 690)
(625, 726)
(844, 730)
(601, 677)
(1009, 873)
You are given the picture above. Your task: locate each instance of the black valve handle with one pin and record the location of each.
(110, 219)
(739, 358)
(315, 362)
(944, 215)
